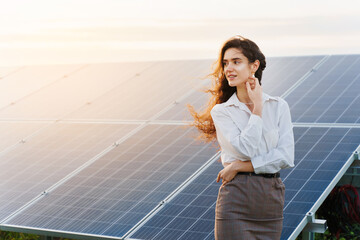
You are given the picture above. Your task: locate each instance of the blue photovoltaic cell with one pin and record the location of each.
(323, 164)
(40, 161)
(195, 205)
(279, 75)
(190, 215)
(114, 193)
(283, 72)
(330, 94)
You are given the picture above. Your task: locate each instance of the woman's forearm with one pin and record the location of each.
(242, 166)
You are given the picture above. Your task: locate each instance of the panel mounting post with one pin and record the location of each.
(313, 226)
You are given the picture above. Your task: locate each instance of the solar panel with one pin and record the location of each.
(330, 94)
(279, 75)
(179, 110)
(315, 169)
(13, 133)
(191, 214)
(72, 91)
(114, 193)
(6, 71)
(49, 156)
(149, 93)
(157, 182)
(22, 81)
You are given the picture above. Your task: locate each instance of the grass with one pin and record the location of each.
(4, 235)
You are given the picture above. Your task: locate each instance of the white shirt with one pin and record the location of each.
(267, 141)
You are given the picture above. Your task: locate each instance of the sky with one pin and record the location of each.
(34, 32)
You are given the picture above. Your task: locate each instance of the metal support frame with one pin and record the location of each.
(305, 221)
(354, 169)
(313, 226)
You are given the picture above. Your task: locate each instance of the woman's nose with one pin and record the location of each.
(229, 67)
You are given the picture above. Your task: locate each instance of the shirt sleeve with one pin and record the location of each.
(234, 140)
(283, 155)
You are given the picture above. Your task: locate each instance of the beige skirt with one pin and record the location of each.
(250, 207)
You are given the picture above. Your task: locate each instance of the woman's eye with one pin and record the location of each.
(237, 62)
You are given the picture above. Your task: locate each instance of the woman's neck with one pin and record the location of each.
(242, 95)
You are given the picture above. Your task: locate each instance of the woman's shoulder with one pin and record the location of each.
(217, 108)
(276, 98)
(282, 101)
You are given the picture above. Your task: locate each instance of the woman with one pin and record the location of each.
(254, 131)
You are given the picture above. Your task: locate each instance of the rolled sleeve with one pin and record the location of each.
(283, 155)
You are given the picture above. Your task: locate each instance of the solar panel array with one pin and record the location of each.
(104, 150)
(191, 214)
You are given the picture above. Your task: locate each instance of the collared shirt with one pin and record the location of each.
(267, 141)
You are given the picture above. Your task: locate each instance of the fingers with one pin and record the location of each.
(252, 81)
(257, 82)
(218, 177)
(248, 86)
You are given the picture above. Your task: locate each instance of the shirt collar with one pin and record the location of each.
(233, 100)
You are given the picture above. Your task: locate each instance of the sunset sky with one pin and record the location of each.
(36, 32)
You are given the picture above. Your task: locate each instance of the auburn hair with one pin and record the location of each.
(220, 90)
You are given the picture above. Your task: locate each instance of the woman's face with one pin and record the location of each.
(236, 67)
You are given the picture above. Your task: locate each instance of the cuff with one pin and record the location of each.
(258, 164)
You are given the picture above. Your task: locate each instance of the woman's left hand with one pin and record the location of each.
(227, 174)
(231, 169)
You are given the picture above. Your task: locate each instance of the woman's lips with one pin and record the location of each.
(231, 77)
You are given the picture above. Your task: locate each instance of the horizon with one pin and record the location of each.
(82, 32)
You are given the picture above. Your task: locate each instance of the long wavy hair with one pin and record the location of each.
(220, 90)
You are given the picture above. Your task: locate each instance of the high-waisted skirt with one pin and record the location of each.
(250, 207)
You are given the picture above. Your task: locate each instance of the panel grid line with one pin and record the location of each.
(11, 72)
(152, 121)
(325, 193)
(185, 162)
(316, 168)
(325, 92)
(319, 81)
(49, 84)
(171, 196)
(69, 176)
(177, 215)
(304, 77)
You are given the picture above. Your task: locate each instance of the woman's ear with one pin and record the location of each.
(255, 66)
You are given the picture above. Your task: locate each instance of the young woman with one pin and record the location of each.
(255, 133)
